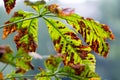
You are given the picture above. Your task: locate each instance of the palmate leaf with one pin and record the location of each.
(9, 5)
(94, 33)
(27, 31)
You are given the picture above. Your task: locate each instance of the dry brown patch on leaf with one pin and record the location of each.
(9, 5)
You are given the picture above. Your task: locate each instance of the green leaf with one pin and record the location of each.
(94, 33)
(43, 76)
(13, 75)
(89, 75)
(27, 29)
(66, 42)
(22, 61)
(71, 49)
(90, 61)
(37, 5)
(52, 63)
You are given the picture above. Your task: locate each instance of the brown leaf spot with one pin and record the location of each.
(57, 41)
(89, 19)
(72, 35)
(28, 47)
(8, 30)
(105, 53)
(83, 54)
(82, 24)
(95, 46)
(61, 27)
(54, 8)
(106, 28)
(78, 68)
(20, 71)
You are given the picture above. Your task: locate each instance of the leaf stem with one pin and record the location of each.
(20, 21)
(70, 75)
(3, 68)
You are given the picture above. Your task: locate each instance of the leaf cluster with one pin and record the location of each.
(73, 59)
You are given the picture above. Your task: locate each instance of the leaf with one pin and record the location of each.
(88, 74)
(8, 30)
(6, 55)
(43, 76)
(54, 8)
(27, 30)
(90, 61)
(52, 63)
(94, 33)
(15, 76)
(37, 5)
(66, 42)
(9, 5)
(1, 76)
(22, 61)
(71, 49)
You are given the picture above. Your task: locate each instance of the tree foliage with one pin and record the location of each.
(73, 59)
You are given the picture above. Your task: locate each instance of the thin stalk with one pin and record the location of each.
(3, 68)
(28, 76)
(20, 21)
(70, 75)
(51, 15)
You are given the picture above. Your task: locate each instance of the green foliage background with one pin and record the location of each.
(107, 68)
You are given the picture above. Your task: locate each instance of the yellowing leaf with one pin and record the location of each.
(43, 76)
(37, 5)
(66, 42)
(69, 46)
(27, 31)
(8, 30)
(23, 61)
(94, 33)
(9, 5)
(52, 63)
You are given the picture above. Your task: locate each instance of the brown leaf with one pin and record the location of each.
(9, 5)
(8, 30)
(1, 76)
(29, 46)
(54, 8)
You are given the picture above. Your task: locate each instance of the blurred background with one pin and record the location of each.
(104, 11)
